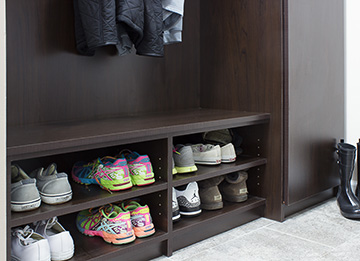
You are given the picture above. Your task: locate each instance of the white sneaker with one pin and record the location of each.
(175, 207)
(29, 245)
(60, 240)
(228, 153)
(188, 199)
(206, 154)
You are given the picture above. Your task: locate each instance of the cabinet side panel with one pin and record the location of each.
(241, 69)
(316, 95)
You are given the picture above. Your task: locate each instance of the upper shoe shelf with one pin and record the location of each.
(41, 140)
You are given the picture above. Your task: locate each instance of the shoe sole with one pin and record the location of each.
(111, 188)
(109, 238)
(186, 169)
(189, 214)
(142, 182)
(176, 218)
(146, 231)
(228, 160)
(56, 199)
(208, 162)
(25, 206)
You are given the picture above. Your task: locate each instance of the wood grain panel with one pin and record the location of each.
(241, 68)
(48, 81)
(315, 96)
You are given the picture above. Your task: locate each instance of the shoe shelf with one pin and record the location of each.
(206, 172)
(150, 134)
(51, 139)
(84, 197)
(212, 222)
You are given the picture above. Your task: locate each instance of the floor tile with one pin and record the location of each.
(319, 233)
(267, 244)
(320, 225)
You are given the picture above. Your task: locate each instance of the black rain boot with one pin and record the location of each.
(357, 191)
(348, 203)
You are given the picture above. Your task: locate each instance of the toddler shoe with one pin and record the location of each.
(110, 173)
(140, 219)
(141, 171)
(24, 194)
(109, 222)
(54, 187)
(29, 245)
(60, 241)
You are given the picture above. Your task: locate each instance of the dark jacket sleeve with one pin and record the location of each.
(95, 25)
(152, 43)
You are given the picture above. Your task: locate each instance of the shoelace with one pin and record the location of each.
(24, 234)
(175, 151)
(106, 211)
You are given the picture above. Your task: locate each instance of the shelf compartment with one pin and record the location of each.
(40, 140)
(84, 197)
(95, 248)
(206, 172)
(190, 230)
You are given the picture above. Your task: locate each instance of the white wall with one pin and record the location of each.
(352, 109)
(2, 133)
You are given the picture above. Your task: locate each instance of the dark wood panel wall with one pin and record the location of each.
(315, 97)
(49, 81)
(241, 69)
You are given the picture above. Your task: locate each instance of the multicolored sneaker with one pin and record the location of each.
(110, 173)
(140, 167)
(109, 222)
(140, 219)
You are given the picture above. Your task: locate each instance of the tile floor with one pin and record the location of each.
(317, 233)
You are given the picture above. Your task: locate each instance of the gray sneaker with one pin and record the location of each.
(184, 159)
(54, 187)
(24, 194)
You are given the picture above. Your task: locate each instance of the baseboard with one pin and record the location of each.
(308, 202)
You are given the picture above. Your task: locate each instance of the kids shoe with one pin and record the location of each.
(24, 194)
(188, 199)
(54, 187)
(140, 167)
(109, 222)
(206, 154)
(29, 245)
(184, 159)
(110, 173)
(60, 241)
(140, 219)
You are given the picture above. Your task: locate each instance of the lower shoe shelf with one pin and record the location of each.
(95, 248)
(209, 223)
